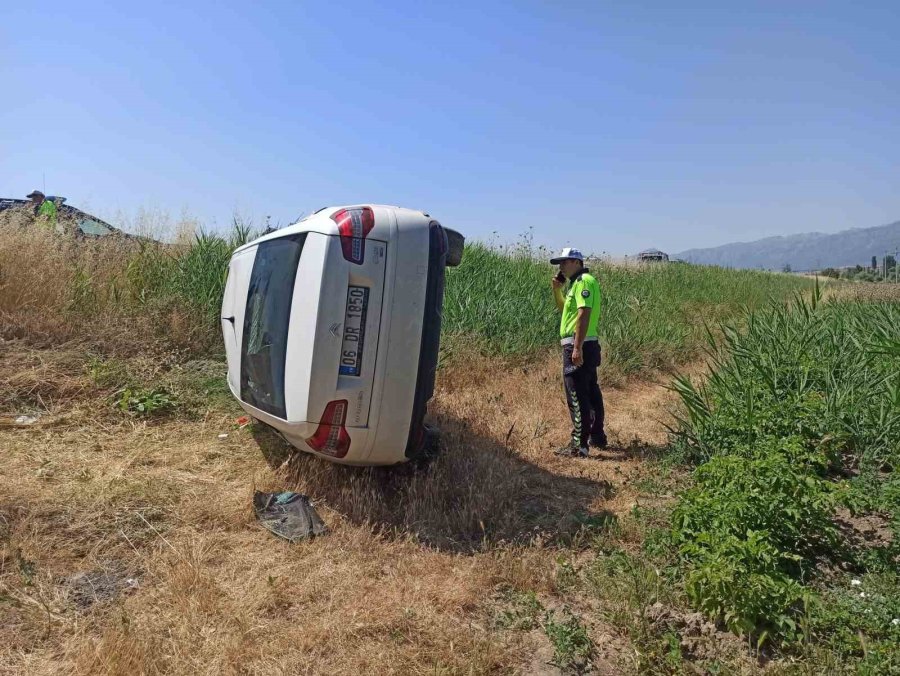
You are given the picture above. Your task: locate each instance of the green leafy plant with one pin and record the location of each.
(572, 647)
(523, 612)
(768, 495)
(567, 577)
(145, 402)
(107, 372)
(798, 396)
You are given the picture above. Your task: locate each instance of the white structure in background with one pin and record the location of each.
(653, 256)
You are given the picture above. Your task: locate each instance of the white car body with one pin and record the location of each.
(333, 340)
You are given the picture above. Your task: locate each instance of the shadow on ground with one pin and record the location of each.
(476, 492)
(634, 451)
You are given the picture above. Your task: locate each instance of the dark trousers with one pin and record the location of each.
(583, 393)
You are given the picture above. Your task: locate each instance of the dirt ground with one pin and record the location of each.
(130, 546)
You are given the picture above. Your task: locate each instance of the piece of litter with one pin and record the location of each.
(26, 419)
(895, 621)
(855, 583)
(862, 595)
(288, 515)
(223, 436)
(243, 421)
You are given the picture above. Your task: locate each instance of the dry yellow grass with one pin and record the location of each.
(43, 277)
(867, 292)
(405, 583)
(55, 288)
(129, 546)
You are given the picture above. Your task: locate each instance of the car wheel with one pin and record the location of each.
(455, 245)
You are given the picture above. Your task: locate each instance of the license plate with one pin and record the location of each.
(354, 330)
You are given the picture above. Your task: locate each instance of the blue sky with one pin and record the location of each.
(613, 126)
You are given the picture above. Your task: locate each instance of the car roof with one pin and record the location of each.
(87, 223)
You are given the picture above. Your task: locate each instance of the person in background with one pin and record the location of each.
(44, 209)
(577, 296)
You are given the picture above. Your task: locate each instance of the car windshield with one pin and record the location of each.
(266, 323)
(90, 226)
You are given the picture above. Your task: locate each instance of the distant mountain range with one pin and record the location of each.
(810, 251)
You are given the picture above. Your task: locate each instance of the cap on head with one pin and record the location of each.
(35, 193)
(567, 253)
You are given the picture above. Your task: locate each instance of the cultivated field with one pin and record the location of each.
(743, 521)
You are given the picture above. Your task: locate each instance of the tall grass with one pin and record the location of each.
(120, 289)
(800, 416)
(652, 316)
(831, 364)
(194, 275)
(498, 300)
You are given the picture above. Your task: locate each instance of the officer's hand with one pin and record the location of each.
(555, 283)
(577, 357)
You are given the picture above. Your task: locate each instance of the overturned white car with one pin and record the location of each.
(332, 328)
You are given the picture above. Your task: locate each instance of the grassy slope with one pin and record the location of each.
(443, 570)
(415, 577)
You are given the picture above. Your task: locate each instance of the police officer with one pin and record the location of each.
(577, 295)
(44, 209)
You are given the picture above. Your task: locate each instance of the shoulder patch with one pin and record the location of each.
(585, 294)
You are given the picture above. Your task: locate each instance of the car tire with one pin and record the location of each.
(455, 246)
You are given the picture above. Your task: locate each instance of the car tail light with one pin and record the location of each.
(354, 225)
(331, 436)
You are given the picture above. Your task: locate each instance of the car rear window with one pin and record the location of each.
(266, 323)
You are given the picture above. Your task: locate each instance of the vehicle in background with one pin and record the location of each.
(86, 225)
(332, 328)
